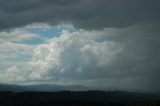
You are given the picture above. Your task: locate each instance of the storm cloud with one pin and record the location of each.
(85, 14)
(112, 57)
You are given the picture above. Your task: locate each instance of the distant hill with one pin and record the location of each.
(42, 87)
(8, 87)
(60, 95)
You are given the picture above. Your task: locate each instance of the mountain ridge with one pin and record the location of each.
(41, 87)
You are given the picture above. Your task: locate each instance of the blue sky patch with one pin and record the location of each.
(51, 32)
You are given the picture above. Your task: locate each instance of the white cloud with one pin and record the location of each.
(13, 66)
(18, 34)
(10, 50)
(73, 55)
(11, 74)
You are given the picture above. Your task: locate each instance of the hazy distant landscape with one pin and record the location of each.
(42, 88)
(58, 95)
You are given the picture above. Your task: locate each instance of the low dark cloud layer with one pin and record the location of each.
(87, 14)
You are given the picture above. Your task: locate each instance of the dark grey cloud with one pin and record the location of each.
(141, 56)
(88, 14)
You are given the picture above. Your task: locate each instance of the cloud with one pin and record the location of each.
(11, 74)
(73, 56)
(16, 35)
(16, 48)
(115, 57)
(14, 58)
(85, 14)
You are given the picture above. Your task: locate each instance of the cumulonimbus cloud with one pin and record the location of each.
(125, 57)
(73, 55)
(122, 56)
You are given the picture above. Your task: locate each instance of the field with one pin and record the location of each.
(78, 98)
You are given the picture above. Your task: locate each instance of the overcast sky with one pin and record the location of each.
(97, 43)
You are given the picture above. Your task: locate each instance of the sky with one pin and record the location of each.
(96, 43)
